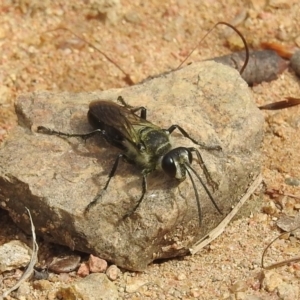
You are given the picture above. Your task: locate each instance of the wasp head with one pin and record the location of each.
(175, 161)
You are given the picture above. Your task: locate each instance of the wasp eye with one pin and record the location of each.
(168, 165)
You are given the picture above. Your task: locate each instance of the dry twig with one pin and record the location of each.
(33, 260)
(220, 228)
(281, 263)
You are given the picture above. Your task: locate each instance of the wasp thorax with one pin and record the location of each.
(175, 161)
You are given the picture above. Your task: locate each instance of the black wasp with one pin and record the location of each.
(143, 144)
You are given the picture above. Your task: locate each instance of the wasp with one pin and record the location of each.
(143, 144)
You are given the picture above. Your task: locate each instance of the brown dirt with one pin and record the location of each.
(151, 37)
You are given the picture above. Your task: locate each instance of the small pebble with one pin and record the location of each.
(270, 208)
(96, 264)
(42, 285)
(134, 283)
(83, 270)
(132, 17)
(288, 291)
(271, 281)
(239, 286)
(181, 276)
(292, 181)
(64, 264)
(113, 272)
(13, 255)
(23, 291)
(195, 293)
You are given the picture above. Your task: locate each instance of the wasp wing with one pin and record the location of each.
(117, 122)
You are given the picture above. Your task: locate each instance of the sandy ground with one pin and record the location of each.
(147, 38)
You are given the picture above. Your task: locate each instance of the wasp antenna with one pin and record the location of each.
(207, 191)
(187, 167)
(233, 28)
(127, 78)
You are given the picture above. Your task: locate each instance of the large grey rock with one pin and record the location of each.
(56, 178)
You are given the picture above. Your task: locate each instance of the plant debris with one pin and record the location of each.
(263, 65)
(288, 102)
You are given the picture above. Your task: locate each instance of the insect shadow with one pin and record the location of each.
(143, 144)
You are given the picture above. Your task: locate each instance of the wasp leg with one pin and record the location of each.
(110, 176)
(200, 179)
(144, 190)
(203, 166)
(123, 102)
(185, 134)
(134, 109)
(85, 136)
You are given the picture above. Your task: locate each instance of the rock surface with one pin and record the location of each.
(93, 287)
(56, 178)
(13, 255)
